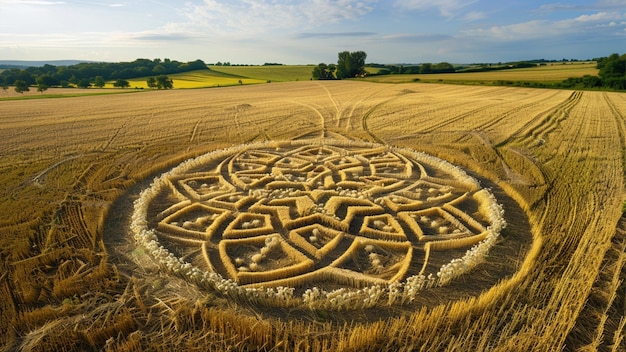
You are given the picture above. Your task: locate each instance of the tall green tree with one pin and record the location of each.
(83, 83)
(21, 86)
(351, 64)
(152, 82)
(164, 82)
(42, 86)
(323, 71)
(4, 84)
(99, 82)
(121, 83)
(47, 80)
(612, 71)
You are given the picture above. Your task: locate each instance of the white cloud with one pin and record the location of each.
(55, 40)
(416, 38)
(32, 2)
(600, 5)
(537, 29)
(612, 3)
(474, 16)
(556, 7)
(257, 16)
(600, 16)
(446, 8)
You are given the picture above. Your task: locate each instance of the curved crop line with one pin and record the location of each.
(348, 103)
(355, 106)
(332, 99)
(317, 111)
(367, 114)
(340, 108)
(193, 132)
(50, 168)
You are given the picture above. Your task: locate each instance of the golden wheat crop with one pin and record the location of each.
(72, 276)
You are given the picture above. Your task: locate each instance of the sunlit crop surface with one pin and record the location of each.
(292, 197)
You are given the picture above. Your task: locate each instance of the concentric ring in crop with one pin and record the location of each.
(323, 223)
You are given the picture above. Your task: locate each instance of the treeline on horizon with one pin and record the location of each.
(446, 67)
(87, 72)
(611, 75)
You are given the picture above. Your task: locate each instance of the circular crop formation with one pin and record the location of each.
(326, 224)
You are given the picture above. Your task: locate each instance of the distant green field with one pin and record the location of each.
(197, 79)
(286, 73)
(220, 76)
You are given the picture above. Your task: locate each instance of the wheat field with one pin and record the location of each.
(73, 277)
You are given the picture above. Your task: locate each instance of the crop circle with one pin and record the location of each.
(324, 223)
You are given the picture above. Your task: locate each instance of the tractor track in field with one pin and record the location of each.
(621, 128)
(466, 114)
(516, 109)
(511, 173)
(544, 122)
(116, 133)
(549, 125)
(332, 99)
(340, 109)
(458, 118)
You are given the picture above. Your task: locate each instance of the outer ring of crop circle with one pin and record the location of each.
(283, 296)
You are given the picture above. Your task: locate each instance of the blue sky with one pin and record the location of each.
(311, 31)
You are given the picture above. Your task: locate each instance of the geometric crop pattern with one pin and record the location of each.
(304, 215)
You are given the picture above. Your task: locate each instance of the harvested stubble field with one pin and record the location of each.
(72, 277)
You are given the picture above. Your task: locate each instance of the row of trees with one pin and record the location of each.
(95, 74)
(611, 74)
(442, 67)
(158, 82)
(349, 65)
(612, 71)
(352, 64)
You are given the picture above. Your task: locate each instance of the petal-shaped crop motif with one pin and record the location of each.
(302, 213)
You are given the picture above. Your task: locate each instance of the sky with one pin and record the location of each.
(311, 31)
